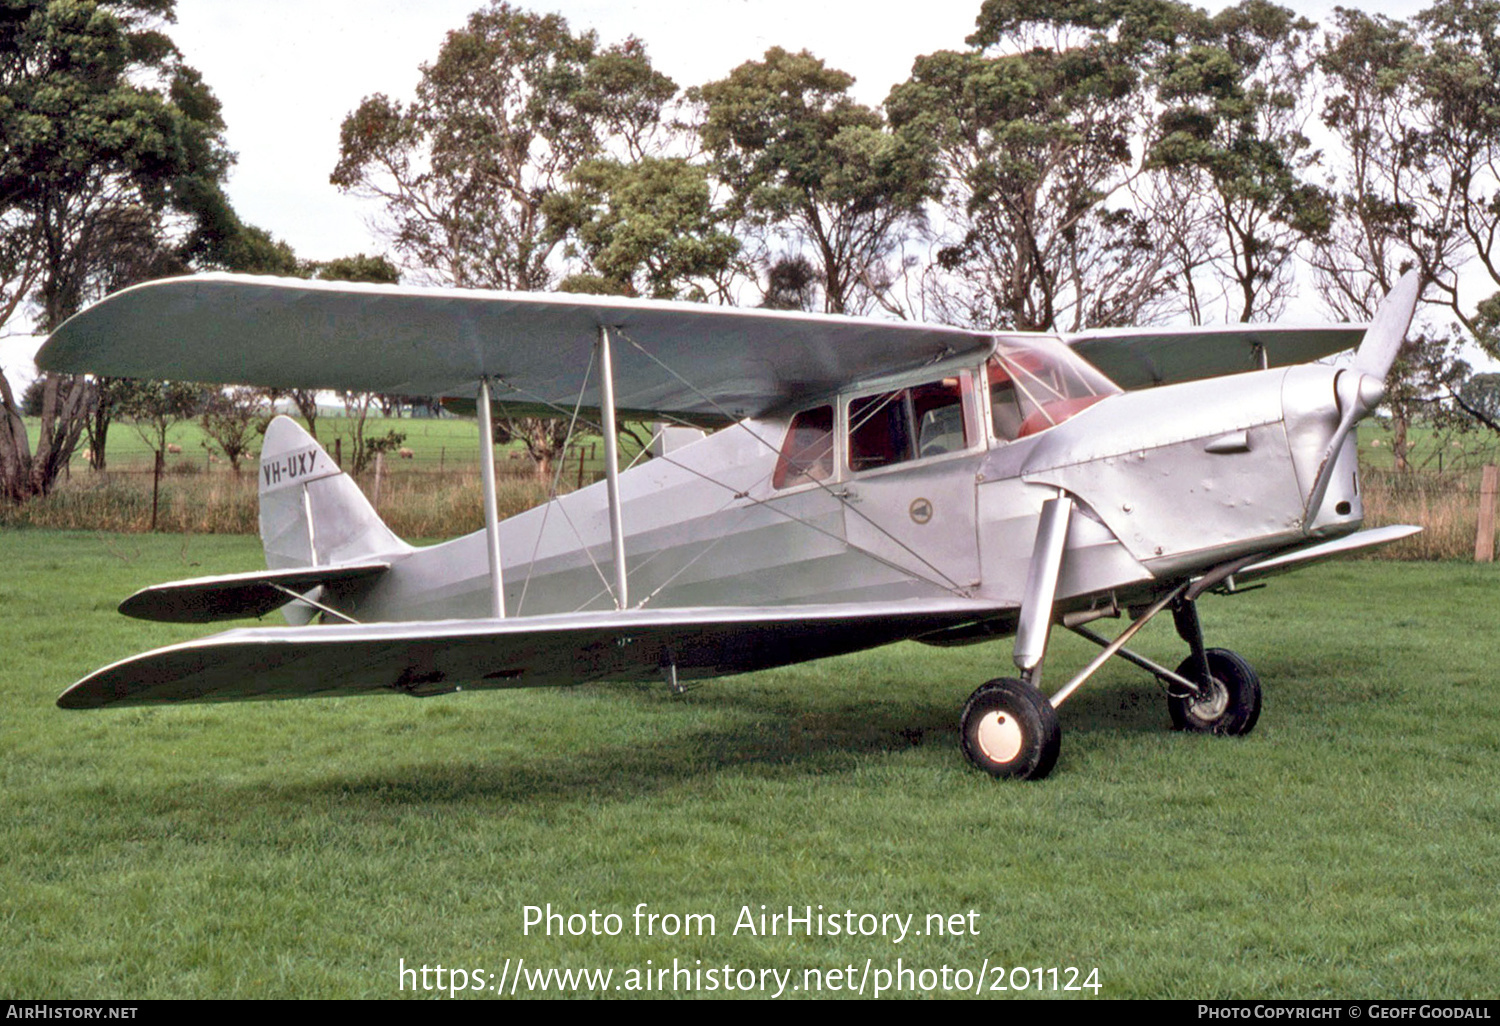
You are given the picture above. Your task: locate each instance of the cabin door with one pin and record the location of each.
(909, 488)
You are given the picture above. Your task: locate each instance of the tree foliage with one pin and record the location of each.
(646, 228)
(1480, 397)
(514, 102)
(1414, 108)
(111, 160)
(1035, 147)
(791, 284)
(155, 406)
(1459, 74)
(376, 270)
(1082, 163)
(802, 158)
(1234, 104)
(232, 418)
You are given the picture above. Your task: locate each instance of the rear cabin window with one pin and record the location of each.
(807, 453)
(907, 424)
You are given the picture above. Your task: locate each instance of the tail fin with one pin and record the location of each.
(311, 512)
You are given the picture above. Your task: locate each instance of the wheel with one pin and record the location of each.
(1009, 729)
(1229, 706)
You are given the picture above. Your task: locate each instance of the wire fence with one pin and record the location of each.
(585, 459)
(433, 491)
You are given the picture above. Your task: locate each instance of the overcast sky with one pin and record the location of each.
(288, 71)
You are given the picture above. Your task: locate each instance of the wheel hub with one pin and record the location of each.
(999, 737)
(1211, 701)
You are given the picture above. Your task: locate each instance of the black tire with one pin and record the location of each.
(1009, 729)
(1232, 702)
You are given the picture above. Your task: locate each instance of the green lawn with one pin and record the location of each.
(1349, 847)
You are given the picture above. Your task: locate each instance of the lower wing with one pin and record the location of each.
(429, 658)
(1345, 546)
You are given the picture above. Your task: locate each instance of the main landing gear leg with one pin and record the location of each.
(1008, 728)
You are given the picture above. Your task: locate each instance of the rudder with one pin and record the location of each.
(311, 512)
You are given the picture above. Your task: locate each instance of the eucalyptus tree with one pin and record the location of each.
(646, 228)
(111, 169)
(155, 407)
(1234, 98)
(821, 173)
(513, 103)
(231, 419)
(1415, 107)
(1459, 75)
(1036, 130)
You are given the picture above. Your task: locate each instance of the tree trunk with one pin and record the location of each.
(24, 473)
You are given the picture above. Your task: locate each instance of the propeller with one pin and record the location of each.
(1360, 388)
(1383, 338)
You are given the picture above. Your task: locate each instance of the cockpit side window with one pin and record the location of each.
(907, 424)
(880, 430)
(938, 411)
(807, 452)
(1039, 384)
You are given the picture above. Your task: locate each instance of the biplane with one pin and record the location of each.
(857, 482)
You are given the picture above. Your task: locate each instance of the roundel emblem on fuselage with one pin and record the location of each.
(921, 510)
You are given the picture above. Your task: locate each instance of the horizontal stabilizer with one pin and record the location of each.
(237, 596)
(1347, 545)
(429, 658)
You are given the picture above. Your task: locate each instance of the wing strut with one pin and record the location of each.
(491, 508)
(612, 465)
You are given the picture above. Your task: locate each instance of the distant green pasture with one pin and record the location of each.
(1433, 451)
(442, 443)
(1350, 847)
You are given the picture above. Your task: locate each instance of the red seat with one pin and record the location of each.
(1054, 413)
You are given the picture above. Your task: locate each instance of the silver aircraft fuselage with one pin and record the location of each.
(1168, 482)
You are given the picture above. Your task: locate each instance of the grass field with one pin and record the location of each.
(435, 493)
(1349, 847)
(436, 444)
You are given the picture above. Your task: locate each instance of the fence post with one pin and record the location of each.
(379, 473)
(156, 470)
(1484, 541)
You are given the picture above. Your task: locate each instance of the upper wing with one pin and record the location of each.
(726, 363)
(436, 657)
(1142, 357)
